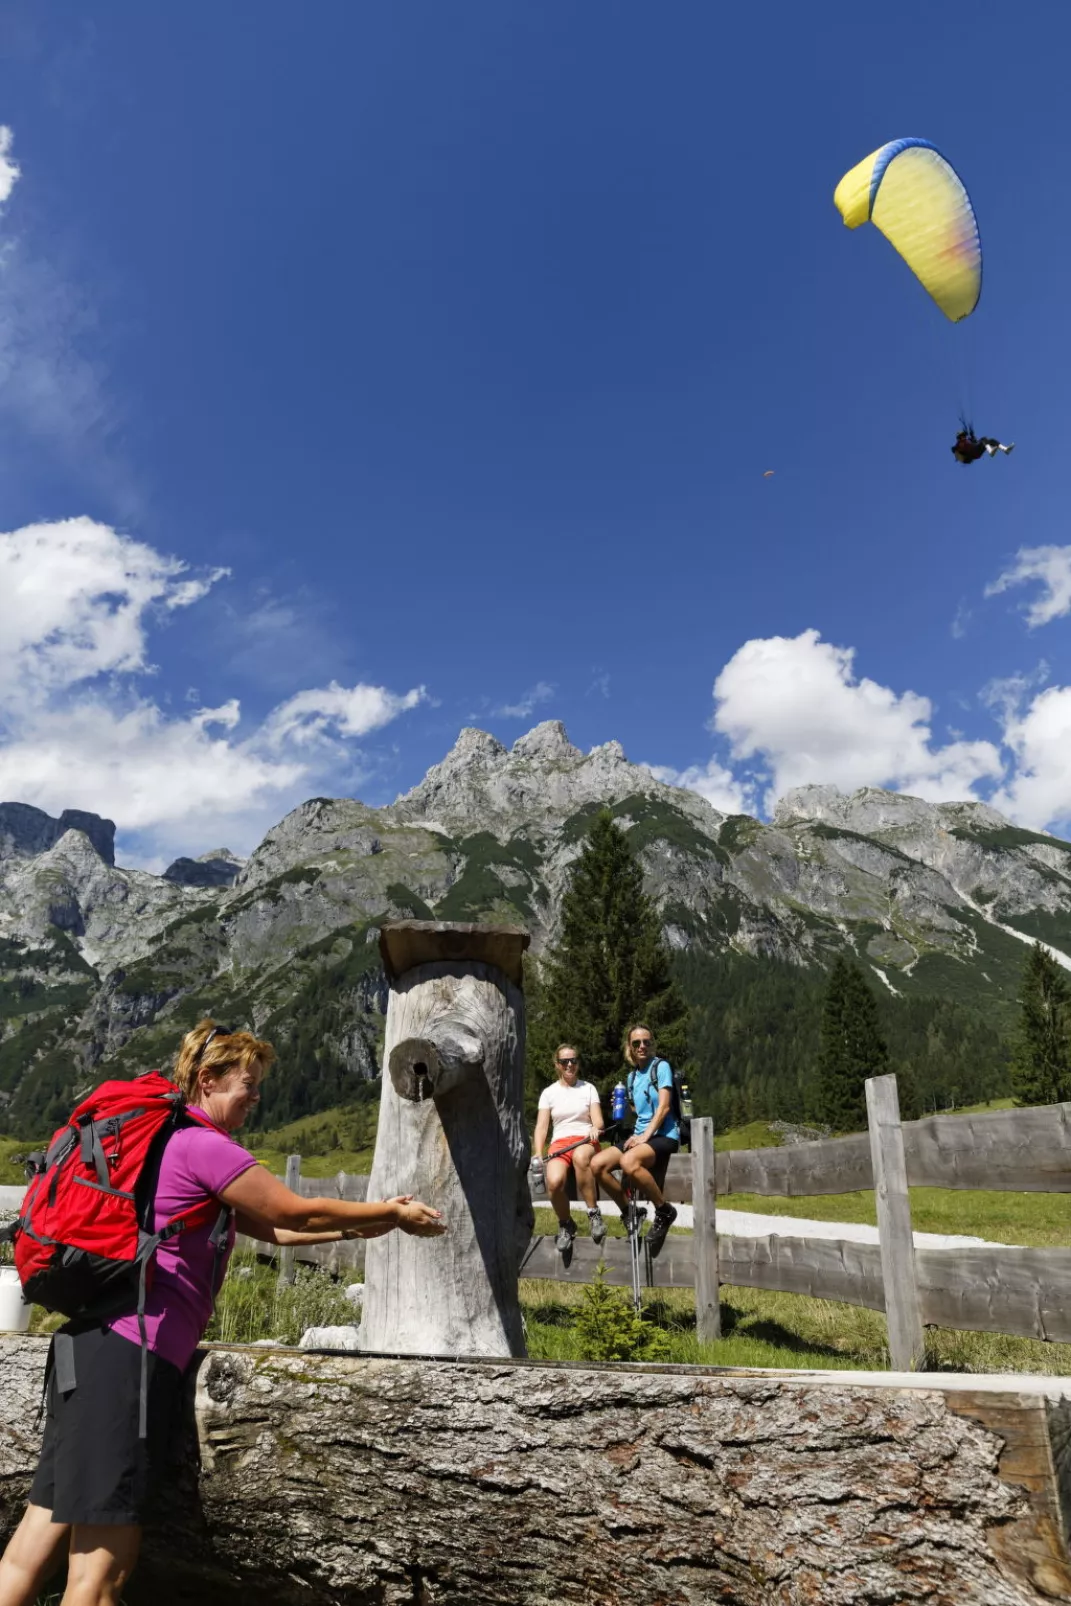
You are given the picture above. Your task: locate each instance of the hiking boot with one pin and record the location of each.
(597, 1226)
(566, 1233)
(664, 1217)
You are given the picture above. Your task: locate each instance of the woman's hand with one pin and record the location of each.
(630, 1143)
(417, 1218)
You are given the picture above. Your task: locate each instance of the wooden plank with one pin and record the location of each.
(906, 1344)
(824, 1268)
(705, 1240)
(352, 1185)
(287, 1265)
(674, 1267)
(1023, 1292)
(799, 1170)
(1026, 1151)
(404, 944)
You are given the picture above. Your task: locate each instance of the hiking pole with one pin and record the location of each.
(632, 1230)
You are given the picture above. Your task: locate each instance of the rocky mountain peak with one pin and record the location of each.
(534, 787)
(217, 868)
(871, 811)
(548, 742)
(27, 832)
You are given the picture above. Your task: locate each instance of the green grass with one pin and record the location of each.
(254, 1304)
(10, 1170)
(1040, 1219)
(790, 1330)
(331, 1141)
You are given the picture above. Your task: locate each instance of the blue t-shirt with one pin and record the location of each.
(645, 1098)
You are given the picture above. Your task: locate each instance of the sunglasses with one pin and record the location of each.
(640, 1042)
(569, 1059)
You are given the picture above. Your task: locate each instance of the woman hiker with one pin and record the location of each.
(97, 1475)
(645, 1155)
(569, 1109)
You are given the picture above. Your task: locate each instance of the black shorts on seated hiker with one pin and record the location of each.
(664, 1149)
(94, 1468)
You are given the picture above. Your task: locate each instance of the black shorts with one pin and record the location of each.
(94, 1468)
(663, 1148)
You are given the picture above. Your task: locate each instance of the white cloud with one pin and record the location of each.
(337, 711)
(713, 781)
(794, 707)
(77, 601)
(1005, 694)
(138, 767)
(1039, 793)
(527, 703)
(1050, 567)
(9, 168)
(73, 602)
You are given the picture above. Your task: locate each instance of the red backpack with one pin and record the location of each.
(85, 1238)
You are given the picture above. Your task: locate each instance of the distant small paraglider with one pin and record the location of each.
(768, 474)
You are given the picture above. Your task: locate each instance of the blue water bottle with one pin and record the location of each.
(618, 1103)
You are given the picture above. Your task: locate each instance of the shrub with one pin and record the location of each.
(611, 1329)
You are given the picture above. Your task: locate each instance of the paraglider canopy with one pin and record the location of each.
(916, 198)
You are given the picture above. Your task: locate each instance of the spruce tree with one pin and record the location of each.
(852, 1050)
(609, 968)
(1041, 1067)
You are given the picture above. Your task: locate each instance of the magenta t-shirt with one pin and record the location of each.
(198, 1161)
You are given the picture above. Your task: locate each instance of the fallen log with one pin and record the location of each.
(378, 1481)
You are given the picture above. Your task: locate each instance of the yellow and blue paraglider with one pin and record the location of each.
(918, 201)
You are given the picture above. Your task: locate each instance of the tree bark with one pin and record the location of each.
(451, 1132)
(375, 1482)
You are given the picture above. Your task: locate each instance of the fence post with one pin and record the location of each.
(705, 1236)
(287, 1267)
(902, 1311)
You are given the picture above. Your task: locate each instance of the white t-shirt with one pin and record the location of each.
(570, 1108)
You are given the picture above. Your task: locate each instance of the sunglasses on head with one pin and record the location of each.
(568, 1059)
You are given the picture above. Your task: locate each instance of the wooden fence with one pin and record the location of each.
(1018, 1291)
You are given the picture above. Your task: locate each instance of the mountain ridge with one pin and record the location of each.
(102, 967)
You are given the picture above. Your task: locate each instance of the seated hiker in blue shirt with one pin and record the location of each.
(645, 1156)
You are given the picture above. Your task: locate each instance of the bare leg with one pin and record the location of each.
(585, 1182)
(602, 1171)
(31, 1557)
(100, 1563)
(636, 1162)
(557, 1172)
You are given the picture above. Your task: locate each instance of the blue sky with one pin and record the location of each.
(461, 338)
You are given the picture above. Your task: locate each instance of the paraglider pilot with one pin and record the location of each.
(969, 447)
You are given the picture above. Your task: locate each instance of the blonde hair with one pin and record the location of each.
(627, 1043)
(212, 1048)
(558, 1050)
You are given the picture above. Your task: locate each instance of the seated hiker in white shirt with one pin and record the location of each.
(569, 1109)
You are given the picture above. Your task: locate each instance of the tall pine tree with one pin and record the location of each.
(610, 968)
(852, 1049)
(1041, 1067)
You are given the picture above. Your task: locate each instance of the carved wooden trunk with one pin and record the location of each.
(451, 1132)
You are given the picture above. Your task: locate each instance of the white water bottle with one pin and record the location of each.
(537, 1177)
